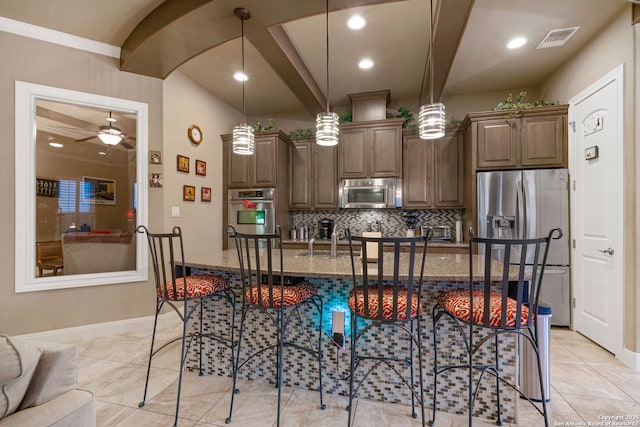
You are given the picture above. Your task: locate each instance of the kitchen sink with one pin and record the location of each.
(321, 255)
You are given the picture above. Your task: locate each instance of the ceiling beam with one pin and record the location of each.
(450, 22)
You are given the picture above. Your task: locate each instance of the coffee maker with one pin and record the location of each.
(325, 228)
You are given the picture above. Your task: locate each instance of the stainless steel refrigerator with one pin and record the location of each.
(527, 204)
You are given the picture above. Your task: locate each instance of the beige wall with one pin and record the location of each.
(614, 46)
(186, 103)
(48, 64)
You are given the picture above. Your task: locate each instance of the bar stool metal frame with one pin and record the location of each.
(184, 294)
(499, 302)
(264, 289)
(401, 306)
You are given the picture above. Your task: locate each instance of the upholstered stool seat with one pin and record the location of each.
(388, 308)
(291, 295)
(458, 304)
(198, 285)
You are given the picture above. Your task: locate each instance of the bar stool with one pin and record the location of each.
(184, 294)
(502, 299)
(383, 298)
(264, 291)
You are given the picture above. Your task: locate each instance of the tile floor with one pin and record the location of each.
(587, 383)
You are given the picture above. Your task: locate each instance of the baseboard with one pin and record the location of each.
(97, 330)
(630, 358)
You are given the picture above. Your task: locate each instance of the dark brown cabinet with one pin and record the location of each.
(371, 149)
(432, 175)
(535, 138)
(261, 168)
(314, 176)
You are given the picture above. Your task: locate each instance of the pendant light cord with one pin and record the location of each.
(244, 76)
(431, 50)
(327, 27)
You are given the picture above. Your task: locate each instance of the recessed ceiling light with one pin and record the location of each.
(365, 64)
(356, 22)
(239, 76)
(516, 43)
(56, 144)
(102, 153)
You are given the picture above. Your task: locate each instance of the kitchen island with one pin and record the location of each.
(332, 276)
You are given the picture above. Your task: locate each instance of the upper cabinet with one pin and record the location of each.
(535, 138)
(314, 176)
(432, 176)
(371, 149)
(263, 168)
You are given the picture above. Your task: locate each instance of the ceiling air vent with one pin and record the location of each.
(555, 38)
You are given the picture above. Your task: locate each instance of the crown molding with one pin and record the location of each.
(58, 37)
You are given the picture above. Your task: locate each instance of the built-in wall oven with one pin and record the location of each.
(252, 211)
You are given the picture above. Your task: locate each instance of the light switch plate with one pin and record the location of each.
(175, 211)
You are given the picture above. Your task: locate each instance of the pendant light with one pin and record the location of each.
(243, 137)
(327, 122)
(431, 119)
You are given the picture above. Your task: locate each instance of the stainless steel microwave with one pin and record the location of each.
(370, 193)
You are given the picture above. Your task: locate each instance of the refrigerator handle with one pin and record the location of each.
(520, 211)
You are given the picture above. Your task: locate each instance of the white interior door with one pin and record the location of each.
(596, 147)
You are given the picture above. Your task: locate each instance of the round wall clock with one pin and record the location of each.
(195, 134)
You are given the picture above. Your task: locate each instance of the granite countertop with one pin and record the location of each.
(439, 267)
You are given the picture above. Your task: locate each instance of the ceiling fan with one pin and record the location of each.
(55, 120)
(110, 135)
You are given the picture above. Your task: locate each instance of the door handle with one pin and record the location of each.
(606, 251)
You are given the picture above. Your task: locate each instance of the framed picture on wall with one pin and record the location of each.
(155, 157)
(155, 180)
(205, 194)
(189, 193)
(183, 164)
(47, 187)
(201, 168)
(98, 191)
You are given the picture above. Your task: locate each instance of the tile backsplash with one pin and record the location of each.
(392, 220)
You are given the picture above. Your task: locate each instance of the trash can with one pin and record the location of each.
(529, 379)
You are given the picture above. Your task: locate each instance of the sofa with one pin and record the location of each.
(98, 252)
(39, 386)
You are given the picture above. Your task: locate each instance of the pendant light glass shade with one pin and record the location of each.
(431, 121)
(244, 141)
(327, 130)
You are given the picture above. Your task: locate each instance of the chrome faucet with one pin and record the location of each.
(311, 241)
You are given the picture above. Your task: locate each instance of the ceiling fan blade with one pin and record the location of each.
(87, 138)
(126, 145)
